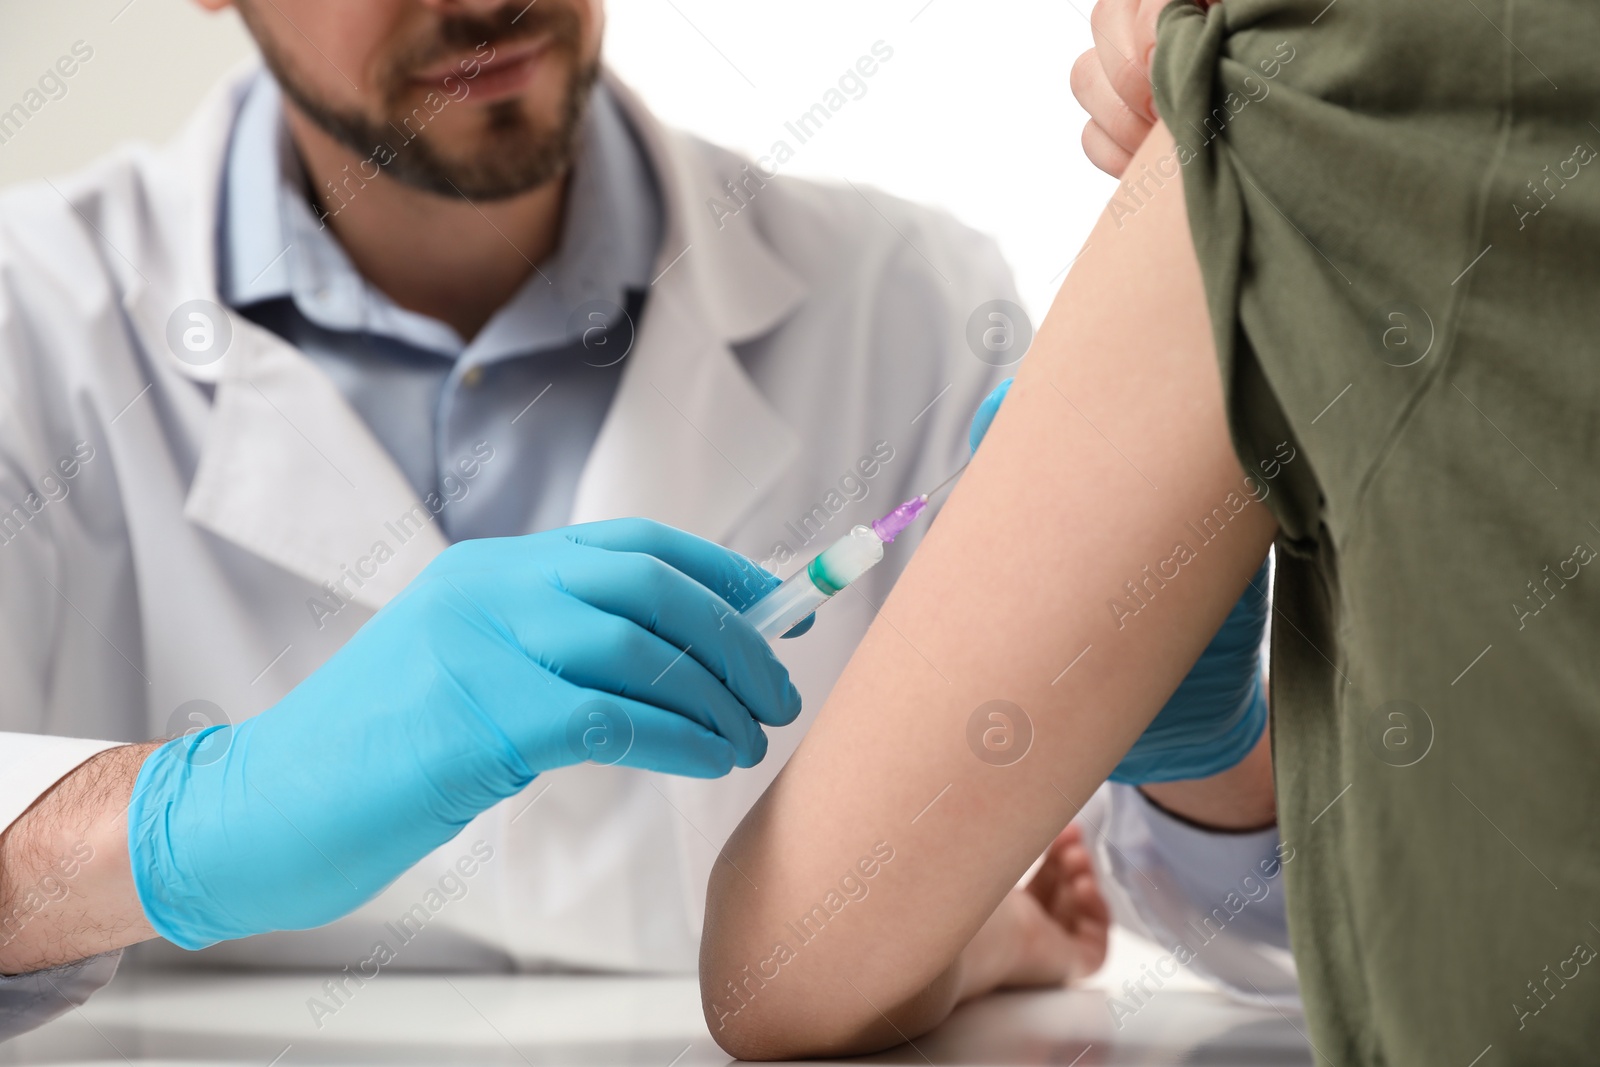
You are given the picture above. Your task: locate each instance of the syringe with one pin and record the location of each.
(835, 568)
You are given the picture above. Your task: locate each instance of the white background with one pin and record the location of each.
(972, 114)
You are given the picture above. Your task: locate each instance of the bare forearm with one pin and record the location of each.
(1240, 798)
(66, 890)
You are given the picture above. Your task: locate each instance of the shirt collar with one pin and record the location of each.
(272, 245)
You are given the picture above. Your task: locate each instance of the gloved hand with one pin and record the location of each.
(1219, 710)
(504, 658)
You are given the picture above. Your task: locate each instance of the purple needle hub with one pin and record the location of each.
(895, 523)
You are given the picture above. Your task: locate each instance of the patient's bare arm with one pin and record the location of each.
(1112, 441)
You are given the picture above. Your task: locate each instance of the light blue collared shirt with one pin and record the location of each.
(526, 386)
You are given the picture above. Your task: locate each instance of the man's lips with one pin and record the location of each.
(505, 72)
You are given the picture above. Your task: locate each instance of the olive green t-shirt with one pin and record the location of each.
(1396, 209)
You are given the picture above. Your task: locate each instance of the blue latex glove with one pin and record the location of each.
(1220, 708)
(1218, 712)
(506, 657)
(986, 413)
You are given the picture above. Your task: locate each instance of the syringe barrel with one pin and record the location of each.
(782, 609)
(808, 589)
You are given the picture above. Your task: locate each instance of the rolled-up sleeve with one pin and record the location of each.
(1213, 902)
(31, 1000)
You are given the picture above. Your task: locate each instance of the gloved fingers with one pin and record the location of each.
(1199, 733)
(611, 730)
(657, 596)
(614, 655)
(671, 744)
(986, 413)
(1219, 710)
(1255, 594)
(570, 641)
(800, 628)
(1235, 649)
(730, 575)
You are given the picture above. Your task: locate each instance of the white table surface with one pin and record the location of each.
(261, 1020)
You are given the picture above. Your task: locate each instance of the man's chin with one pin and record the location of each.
(494, 165)
(491, 151)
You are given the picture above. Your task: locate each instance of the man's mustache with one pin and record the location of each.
(455, 34)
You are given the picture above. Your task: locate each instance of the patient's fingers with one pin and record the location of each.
(1125, 128)
(1065, 858)
(1066, 884)
(1067, 891)
(1079, 905)
(1112, 80)
(1123, 42)
(1103, 152)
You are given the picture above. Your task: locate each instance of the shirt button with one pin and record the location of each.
(473, 377)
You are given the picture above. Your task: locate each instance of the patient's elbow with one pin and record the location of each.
(779, 1034)
(766, 997)
(745, 1015)
(765, 1010)
(749, 1043)
(757, 1011)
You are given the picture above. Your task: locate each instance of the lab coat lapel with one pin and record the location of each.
(287, 469)
(689, 439)
(291, 472)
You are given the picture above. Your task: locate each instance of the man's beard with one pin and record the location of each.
(515, 153)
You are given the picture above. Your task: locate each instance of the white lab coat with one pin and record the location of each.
(778, 346)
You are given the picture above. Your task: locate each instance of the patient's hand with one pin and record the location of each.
(1112, 81)
(1052, 932)
(1067, 921)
